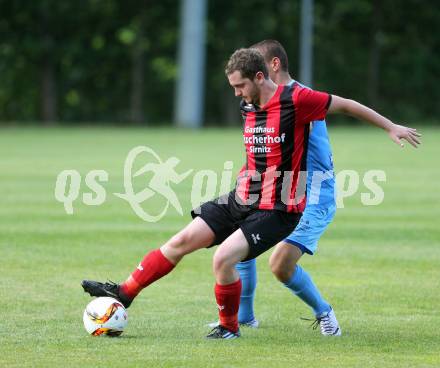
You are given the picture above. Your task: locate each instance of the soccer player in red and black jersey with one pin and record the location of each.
(267, 203)
(318, 214)
(276, 128)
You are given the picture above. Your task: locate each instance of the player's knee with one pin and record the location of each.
(176, 241)
(180, 243)
(217, 262)
(280, 271)
(282, 274)
(220, 262)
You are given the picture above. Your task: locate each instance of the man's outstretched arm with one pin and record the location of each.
(352, 108)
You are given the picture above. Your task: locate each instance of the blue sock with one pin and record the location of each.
(248, 276)
(302, 285)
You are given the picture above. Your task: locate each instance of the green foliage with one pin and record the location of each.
(380, 53)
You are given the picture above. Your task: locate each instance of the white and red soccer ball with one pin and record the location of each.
(105, 316)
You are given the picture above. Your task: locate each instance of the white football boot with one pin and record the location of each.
(329, 324)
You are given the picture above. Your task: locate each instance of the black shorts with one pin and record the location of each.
(262, 228)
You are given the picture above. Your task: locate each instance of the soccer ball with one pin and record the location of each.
(105, 316)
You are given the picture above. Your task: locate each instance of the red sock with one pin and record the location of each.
(228, 301)
(154, 266)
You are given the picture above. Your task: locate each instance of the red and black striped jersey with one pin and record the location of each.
(276, 137)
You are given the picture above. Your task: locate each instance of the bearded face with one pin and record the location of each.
(254, 94)
(245, 88)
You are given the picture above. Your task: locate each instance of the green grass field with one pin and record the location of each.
(379, 266)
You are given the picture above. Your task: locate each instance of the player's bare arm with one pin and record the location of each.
(355, 109)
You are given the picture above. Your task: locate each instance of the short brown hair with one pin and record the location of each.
(248, 62)
(270, 49)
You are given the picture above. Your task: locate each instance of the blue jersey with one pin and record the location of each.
(320, 174)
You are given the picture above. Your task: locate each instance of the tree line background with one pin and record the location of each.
(114, 61)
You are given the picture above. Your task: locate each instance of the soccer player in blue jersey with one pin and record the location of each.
(320, 207)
